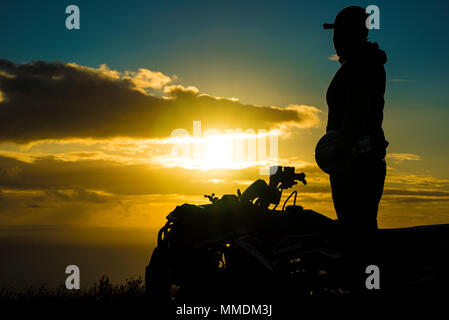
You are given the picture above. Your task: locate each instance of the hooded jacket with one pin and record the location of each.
(363, 71)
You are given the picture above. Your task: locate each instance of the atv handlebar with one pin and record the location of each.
(281, 178)
(286, 176)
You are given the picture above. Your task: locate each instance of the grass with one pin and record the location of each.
(102, 291)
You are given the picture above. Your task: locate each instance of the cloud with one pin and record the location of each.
(11, 171)
(417, 181)
(443, 194)
(308, 114)
(175, 90)
(333, 57)
(403, 156)
(66, 101)
(145, 78)
(110, 177)
(76, 194)
(95, 191)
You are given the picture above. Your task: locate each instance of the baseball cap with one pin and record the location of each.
(352, 17)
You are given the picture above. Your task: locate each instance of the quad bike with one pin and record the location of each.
(237, 248)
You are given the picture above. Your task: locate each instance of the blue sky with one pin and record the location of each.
(244, 40)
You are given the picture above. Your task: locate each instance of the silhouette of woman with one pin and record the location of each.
(355, 99)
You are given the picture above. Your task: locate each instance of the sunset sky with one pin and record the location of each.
(86, 116)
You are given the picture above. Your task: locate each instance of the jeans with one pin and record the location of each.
(356, 194)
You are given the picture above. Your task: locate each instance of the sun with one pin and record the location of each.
(221, 151)
(218, 153)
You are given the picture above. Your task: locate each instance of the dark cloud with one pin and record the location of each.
(58, 101)
(76, 194)
(411, 199)
(423, 193)
(10, 171)
(52, 175)
(66, 192)
(98, 181)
